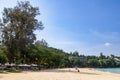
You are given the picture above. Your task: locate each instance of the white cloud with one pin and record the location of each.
(107, 44)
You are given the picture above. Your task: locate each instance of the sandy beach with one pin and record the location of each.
(62, 74)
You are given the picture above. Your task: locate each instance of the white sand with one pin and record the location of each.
(62, 74)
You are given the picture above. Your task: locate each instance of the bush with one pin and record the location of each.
(93, 63)
(3, 72)
(3, 58)
(14, 71)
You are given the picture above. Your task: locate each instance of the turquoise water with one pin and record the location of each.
(113, 70)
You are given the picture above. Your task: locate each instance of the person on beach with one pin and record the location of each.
(77, 69)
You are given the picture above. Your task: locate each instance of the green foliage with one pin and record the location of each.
(18, 43)
(102, 62)
(93, 63)
(102, 56)
(14, 71)
(18, 25)
(42, 42)
(3, 72)
(118, 64)
(3, 57)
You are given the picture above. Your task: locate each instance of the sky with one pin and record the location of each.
(86, 26)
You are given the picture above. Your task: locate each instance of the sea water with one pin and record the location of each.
(113, 70)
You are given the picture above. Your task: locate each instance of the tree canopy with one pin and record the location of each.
(18, 25)
(19, 45)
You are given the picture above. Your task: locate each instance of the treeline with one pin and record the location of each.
(18, 43)
(41, 54)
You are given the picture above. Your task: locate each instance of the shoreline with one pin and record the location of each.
(108, 71)
(62, 74)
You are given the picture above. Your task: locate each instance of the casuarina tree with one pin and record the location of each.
(17, 26)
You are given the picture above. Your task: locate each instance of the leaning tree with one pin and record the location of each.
(17, 26)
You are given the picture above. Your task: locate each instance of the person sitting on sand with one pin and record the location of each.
(77, 69)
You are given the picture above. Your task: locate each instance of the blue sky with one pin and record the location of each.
(86, 26)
